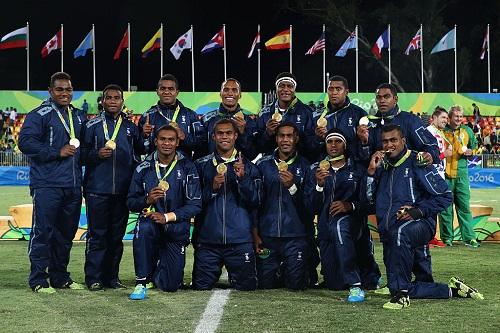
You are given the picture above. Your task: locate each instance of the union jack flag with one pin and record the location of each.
(414, 43)
(318, 46)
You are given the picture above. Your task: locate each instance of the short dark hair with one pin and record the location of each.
(392, 127)
(59, 76)
(389, 86)
(288, 124)
(112, 87)
(169, 77)
(339, 78)
(226, 121)
(167, 127)
(233, 80)
(438, 110)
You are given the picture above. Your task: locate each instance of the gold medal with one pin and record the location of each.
(221, 169)
(324, 165)
(110, 144)
(364, 121)
(174, 124)
(282, 166)
(74, 142)
(164, 185)
(239, 115)
(322, 122)
(277, 116)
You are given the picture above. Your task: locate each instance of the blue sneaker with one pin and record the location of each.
(139, 293)
(356, 294)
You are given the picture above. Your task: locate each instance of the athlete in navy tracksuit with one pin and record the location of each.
(407, 199)
(223, 231)
(162, 230)
(417, 138)
(230, 109)
(332, 192)
(170, 110)
(55, 180)
(282, 215)
(291, 109)
(108, 171)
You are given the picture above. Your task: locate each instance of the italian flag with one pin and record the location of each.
(14, 39)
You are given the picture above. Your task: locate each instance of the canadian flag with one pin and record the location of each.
(53, 44)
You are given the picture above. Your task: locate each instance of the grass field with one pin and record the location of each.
(261, 311)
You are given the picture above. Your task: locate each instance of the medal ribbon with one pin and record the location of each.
(230, 159)
(174, 117)
(291, 106)
(71, 128)
(399, 162)
(336, 158)
(290, 161)
(157, 168)
(105, 127)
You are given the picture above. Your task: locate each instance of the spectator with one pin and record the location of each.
(85, 107)
(476, 113)
(12, 116)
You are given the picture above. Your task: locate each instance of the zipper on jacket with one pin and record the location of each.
(279, 208)
(114, 172)
(390, 201)
(224, 214)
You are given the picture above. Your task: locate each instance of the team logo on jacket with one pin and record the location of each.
(350, 121)
(299, 256)
(297, 171)
(350, 175)
(182, 250)
(183, 119)
(179, 174)
(298, 118)
(128, 131)
(247, 257)
(406, 172)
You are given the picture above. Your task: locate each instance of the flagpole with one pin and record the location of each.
(455, 52)
(128, 55)
(488, 50)
(422, 57)
(62, 48)
(161, 49)
(27, 56)
(389, 50)
(357, 90)
(192, 56)
(93, 52)
(224, 33)
(258, 59)
(324, 61)
(291, 48)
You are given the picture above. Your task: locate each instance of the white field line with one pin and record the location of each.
(213, 312)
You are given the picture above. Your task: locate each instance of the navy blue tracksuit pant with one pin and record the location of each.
(107, 217)
(158, 258)
(239, 260)
(400, 244)
(368, 267)
(56, 214)
(286, 264)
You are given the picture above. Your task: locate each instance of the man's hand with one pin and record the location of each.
(363, 133)
(375, 161)
(286, 178)
(157, 217)
(468, 152)
(449, 151)
(67, 151)
(239, 167)
(154, 195)
(320, 132)
(218, 181)
(321, 176)
(147, 129)
(105, 152)
(427, 157)
(337, 207)
(271, 126)
(180, 133)
(240, 124)
(402, 214)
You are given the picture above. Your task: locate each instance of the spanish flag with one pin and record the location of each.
(154, 43)
(280, 41)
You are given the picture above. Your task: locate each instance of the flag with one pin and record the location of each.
(446, 43)
(123, 45)
(485, 45)
(382, 42)
(216, 42)
(182, 43)
(14, 39)
(255, 45)
(280, 41)
(318, 46)
(414, 43)
(53, 44)
(86, 44)
(350, 43)
(153, 44)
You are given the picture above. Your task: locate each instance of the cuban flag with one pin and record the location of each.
(382, 42)
(216, 42)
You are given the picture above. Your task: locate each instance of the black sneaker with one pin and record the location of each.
(398, 302)
(96, 286)
(117, 285)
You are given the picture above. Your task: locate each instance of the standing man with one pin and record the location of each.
(280, 236)
(166, 191)
(223, 230)
(463, 142)
(170, 111)
(85, 107)
(339, 113)
(332, 192)
(407, 198)
(50, 137)
(286, 108)
(229, 108)
(111, 149)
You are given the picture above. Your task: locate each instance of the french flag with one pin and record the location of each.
(382, 42)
